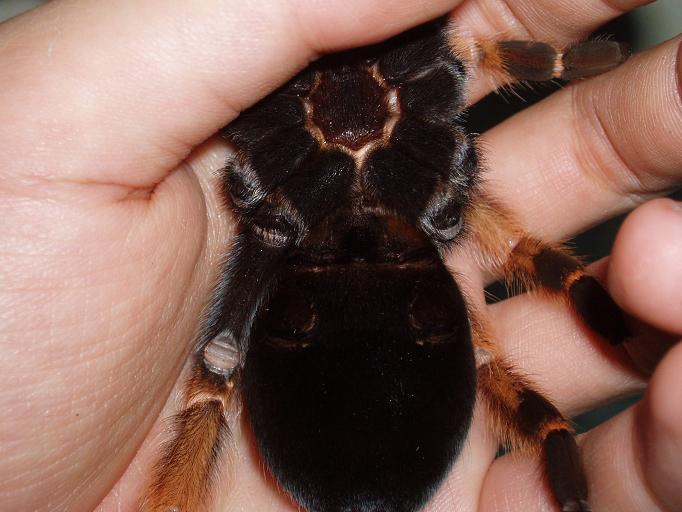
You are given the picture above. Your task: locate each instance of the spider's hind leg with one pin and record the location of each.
(182, 477)
(526, 420)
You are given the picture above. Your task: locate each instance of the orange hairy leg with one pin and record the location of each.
(542, 266)
(524, 420)
(182, 477)
(537, 61)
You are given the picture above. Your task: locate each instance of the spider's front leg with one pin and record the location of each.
(536, 264)
(536, 61)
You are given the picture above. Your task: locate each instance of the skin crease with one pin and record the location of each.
(111, 234)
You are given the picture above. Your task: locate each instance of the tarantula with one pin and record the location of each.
(351, 344)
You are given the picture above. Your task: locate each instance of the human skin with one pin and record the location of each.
(111, 235)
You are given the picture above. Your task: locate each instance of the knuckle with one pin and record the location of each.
(627, 125)
(597, 150)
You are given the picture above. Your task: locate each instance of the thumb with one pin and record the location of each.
(645, 269)
(120, 92)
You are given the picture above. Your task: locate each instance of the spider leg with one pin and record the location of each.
(527, 421)
(524, 420)
(538, 62)
(248, 275)
(552, 269)
(181, 479)
(544, 267)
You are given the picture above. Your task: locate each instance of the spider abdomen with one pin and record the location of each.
(368, 403)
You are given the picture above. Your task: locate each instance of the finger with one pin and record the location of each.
(594, 149)
(566, 362)
(558, 22)
(646, 267)
(543, 339)
(631, 461)
(120, 92)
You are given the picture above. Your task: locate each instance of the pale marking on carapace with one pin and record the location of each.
(359, 155)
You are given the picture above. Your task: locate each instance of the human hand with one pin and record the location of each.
(113, 232)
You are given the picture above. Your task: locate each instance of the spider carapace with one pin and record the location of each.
(336, 319)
